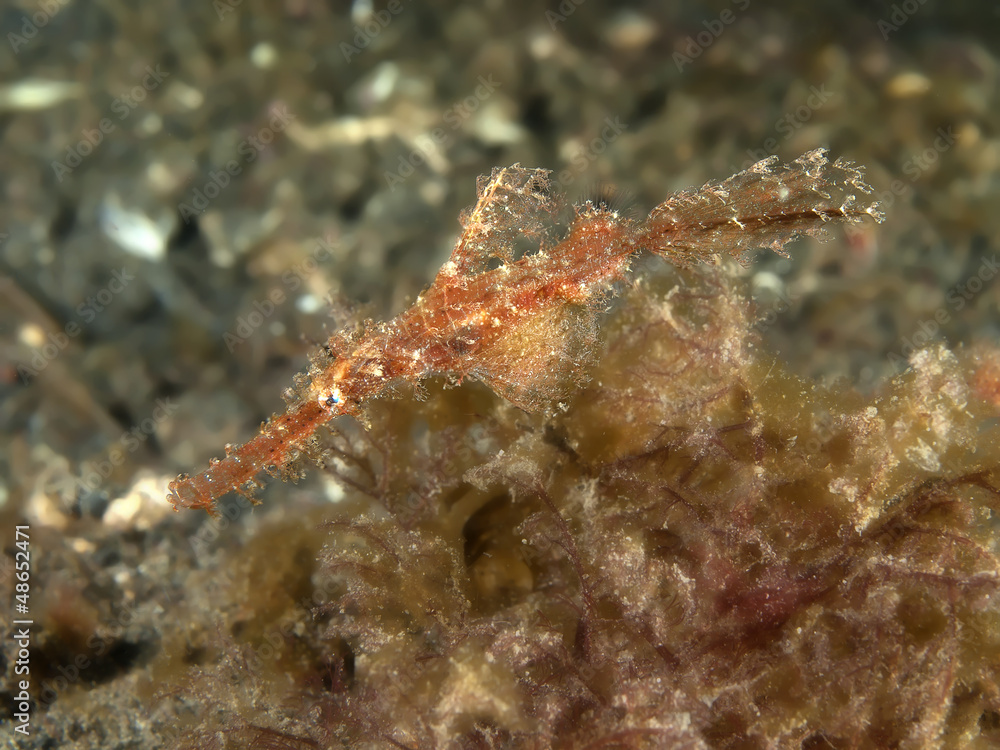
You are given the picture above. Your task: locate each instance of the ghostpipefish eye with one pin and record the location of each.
(332, 400)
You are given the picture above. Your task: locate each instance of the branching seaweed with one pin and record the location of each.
(700, 550)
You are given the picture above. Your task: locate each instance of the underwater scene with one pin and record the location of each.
(460, 376)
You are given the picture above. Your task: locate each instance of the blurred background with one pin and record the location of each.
(185, 185)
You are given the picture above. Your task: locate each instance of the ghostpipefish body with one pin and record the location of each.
(524, 322)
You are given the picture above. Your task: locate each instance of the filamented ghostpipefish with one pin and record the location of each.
(525, 323)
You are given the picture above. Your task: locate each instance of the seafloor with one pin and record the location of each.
(185, 185)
